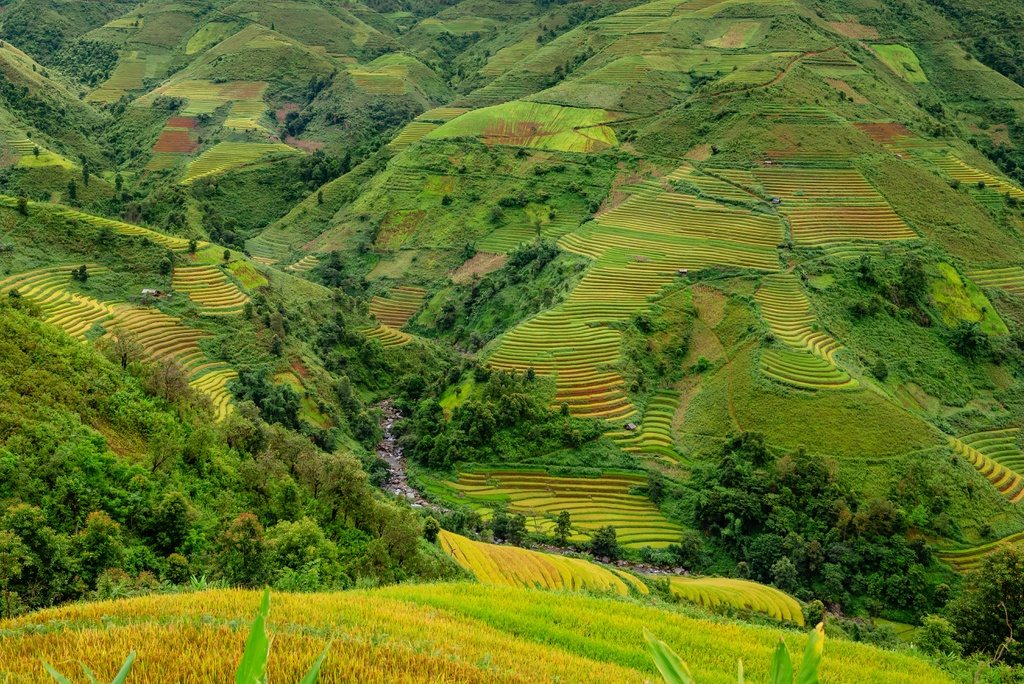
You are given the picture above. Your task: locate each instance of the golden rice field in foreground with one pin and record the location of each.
(416, 634)
(515, 567)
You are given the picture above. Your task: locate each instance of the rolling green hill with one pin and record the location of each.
(727, 290)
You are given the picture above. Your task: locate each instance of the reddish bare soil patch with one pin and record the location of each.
(283, 112)
(397, 228)
(244, 90)
(176, 142)
(852, 29)
(519, 133)
(299, 369)
(304, 145)
(480, 264)
(181, 122)
(885, 133)
(613, 200)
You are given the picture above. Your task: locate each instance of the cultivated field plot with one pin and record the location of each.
(164, 337)
(441, 115)
(164, 162)
(388, 337)
(206, 96)
(995, 456)
(902, 60)
(27, 157)
(710, 186)
(970, 559)
(829, 206)
(786, 309)
(210, 288)
(49, 288)
(398, 307)
(247, 274)
(592, 503)
(127, 76)
(173, 243)
(531, 124)
(740, 594)
(412, 133)
(226, 156)
(386, 81)
(654, 435)
(569, 344)
(515, 567)
(739, 34)
(897, 137)
(304, 264)
(245, 115)
(175, 141)
(805, 371)
(507, 57)
(1009, 278)
(677, 215)
(160, 336)
(990, 188)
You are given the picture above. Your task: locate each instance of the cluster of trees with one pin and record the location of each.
(533, 279)
(505, 420)
(164, 493)
(791, 522)
(89, 61)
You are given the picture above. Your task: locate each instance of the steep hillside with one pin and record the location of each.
(706, 301)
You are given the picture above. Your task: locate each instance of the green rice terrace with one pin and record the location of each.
(504, 331)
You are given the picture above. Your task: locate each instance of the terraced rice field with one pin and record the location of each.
(25, 149)
(591, 502)
(995, 456)
(161, 336)
(49, 288)
(570, 344)
(412, 133)
(304, 264)
(441, 115)
(388, 337)
(231, 155)
(170, 242)
(210, 288)
(1009, 278)
(709, 185)
(164, 162)
(377, 83)
(164, 337)
(786, 309)
(531, 124)
(805, 371)
(126, 77)
(204, 97)
(971, 177)
(685, 216)
(739, 594)
(971, 559)
(830, 206)
(398, 307)
(515, 567)
(247, 274)
(245, 115)
(654, 435)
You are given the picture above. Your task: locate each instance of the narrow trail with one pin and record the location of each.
(769, 84)
(389, 451)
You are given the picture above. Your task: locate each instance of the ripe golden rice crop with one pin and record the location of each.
(515, 567)
(717, 591)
